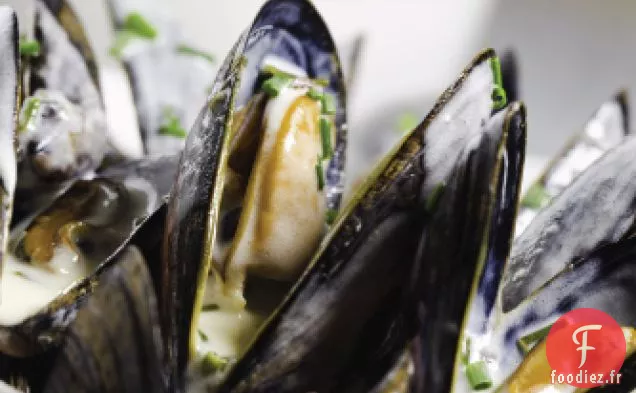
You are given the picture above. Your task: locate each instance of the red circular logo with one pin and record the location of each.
(585, 348)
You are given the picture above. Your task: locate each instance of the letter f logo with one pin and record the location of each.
(583, 344)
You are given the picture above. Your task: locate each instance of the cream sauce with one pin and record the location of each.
(27, 288)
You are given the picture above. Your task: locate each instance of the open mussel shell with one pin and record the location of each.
(467, 274)
(169, 78)
(8, 120)
(63, 132)
(604, 280)
(606, 129)
(597, 208)
(349, 318)
(90, 223)
(291, 31)
(114, 344)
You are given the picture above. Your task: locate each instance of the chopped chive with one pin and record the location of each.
(188, 50)
(172, 126)
(325, 137)
(212, 362)
(495, 66)
(32, 107)
(536, 197)
(204, 337)
(314, 94)
(273, 71)
(526, 342)
(407, 122)
(122, 39)
(478, 376)
(21, 275)
(332, 214)
(139, 25)
(275, 84)
(210, 307)
(499, 97)
(320, 175)
(466, 353)
(498, 92)
(322, 82)
(29, 48)
(328, 104)
(434, 197)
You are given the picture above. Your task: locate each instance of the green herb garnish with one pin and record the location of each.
(212, 362)
(495, 66)
(314, 94)
(188, 50)
(498, 93)
(526, 342)
(536, 197)
(134, 27)
(325, 137)
(122, 39)
(328, 104)
(324, 82)
(137, 24)
(172, 126)
(276, 83)
(407, 121)
(32, 106)
(21, 275)
(332, 214)
(29, 48)
(499, 97)
(478, 376)
(466, 354)
(320, 175)
(434, 197)
(204, 337)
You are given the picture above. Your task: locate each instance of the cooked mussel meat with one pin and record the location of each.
(56, 256)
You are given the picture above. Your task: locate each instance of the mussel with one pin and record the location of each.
(9, 96)
(86, 209)
(606, 129)
(62, 133)
(259, 180)
(233, 268)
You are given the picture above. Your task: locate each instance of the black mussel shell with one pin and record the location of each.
(467, 273)
(598, 208)
(606, 129)
(289, 29)
(348, 319)
(114, 344)
(65, 65)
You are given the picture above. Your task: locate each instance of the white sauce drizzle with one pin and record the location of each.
(28, 289)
